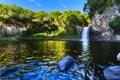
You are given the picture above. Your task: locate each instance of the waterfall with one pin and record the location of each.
(85, 34)
(85, 44)
(85, 40)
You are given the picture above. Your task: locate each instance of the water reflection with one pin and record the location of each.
(85, 46)
(85, 52)
(53, 50)
(38, 59)
(11, 52)
(86, 58)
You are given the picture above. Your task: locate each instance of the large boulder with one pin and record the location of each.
(112, 73)
(118, 56)
(65, 63)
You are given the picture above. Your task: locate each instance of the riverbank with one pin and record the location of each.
(37, 38)
(57, 38)
(72, 38)
(48, 38)
(9, 39)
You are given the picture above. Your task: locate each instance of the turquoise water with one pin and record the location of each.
(37, 60)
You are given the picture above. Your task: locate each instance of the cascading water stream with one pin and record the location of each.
(85, 50)
(85, 39)
(85, 34)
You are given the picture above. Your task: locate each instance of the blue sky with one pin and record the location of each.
(47, 5)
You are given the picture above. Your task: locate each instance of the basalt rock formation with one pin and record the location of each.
(100, 23)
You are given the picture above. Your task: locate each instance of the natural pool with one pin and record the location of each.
(36, 60)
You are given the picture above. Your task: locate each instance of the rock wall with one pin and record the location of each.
(100, 23)
(10, 30)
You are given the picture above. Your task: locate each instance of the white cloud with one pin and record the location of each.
(35, 3)
(31, 0)
(38, 4)
(60, 0)
(63, 5)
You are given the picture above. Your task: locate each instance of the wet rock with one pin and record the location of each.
(112, 73)
(65, 63)
(118, 57)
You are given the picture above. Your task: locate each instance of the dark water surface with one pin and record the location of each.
(36, 60)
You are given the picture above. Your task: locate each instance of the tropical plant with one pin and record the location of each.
(115, 24)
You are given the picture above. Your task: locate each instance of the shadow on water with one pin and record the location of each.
(37, 60)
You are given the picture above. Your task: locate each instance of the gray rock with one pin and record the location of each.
(112, 73)
(100, 22)
(65, 63)
(118, 57)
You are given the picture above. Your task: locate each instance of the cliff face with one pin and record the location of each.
(100, 23)
(11, 30)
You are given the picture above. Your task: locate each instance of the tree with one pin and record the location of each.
(53, 16)
(99, 6)
(40, 16)
(39, 22)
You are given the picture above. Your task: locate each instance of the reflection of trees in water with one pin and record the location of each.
(73, 48)
(10, 52)
(53, 50)
(38, 50)
(48, 53)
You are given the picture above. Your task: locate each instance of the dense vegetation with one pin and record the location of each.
(115, 25)
(42, 23)
(98, 5)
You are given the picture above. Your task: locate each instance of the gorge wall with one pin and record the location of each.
(100, 23)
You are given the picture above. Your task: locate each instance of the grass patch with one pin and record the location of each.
(9, 39)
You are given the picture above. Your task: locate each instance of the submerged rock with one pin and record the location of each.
(112, 73)
(65, 63)
(9, 71)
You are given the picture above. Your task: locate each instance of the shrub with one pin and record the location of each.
(115, 24)
(32, 30)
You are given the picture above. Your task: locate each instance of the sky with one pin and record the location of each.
(47, 5)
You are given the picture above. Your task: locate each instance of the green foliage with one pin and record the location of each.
(40, 16)
(98, 5)
(32, 30)
(43, 22)
(53, 16)
(117, 1)
(15, 12)
(70, 19)
(115, 24)
(45, 27)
